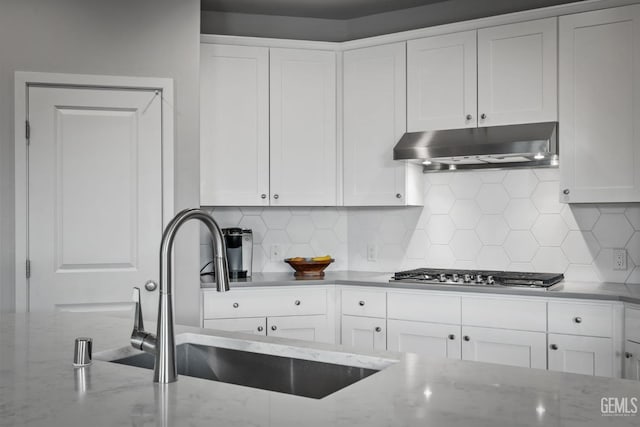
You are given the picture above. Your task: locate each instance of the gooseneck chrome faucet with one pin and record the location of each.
(163, 343)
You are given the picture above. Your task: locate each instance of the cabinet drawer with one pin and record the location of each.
(272, 302)
(522, 314)
(423, 307)
(581, 319)
(364, 303)
(632, 324)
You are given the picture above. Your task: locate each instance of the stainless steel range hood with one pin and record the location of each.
(526, 145)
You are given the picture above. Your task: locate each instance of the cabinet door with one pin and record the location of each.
(247, 325)
(234, 125)
(366, 333)
(581, 355)
(504, 346)
(307, 328)
(441, 82)
(303, 127)
(374, 120)
(600, 106)
(632, 361)
(518, 73)
(429, 339)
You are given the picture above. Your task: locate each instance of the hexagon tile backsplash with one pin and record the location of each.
(295, 231)
(499, 220)
(477, 219)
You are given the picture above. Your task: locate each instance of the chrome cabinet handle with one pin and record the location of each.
(361, 303)
(553, 347)
(628, 355)
(566, 191)
(469, 117)
(275, 196)
(260, 329)
(466, 338)
(263, 196)
(483, 116)
(577, 319)
(297, 302)
(452, 337)
(378, 329)
(236, 305)
(274, 327)
(151, 285)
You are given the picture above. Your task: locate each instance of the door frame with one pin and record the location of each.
(23, 80)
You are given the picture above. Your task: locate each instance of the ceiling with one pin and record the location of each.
(328, 9)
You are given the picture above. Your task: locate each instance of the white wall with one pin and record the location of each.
(158, 38)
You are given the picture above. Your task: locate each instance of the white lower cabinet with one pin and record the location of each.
(298, 313)
(365, 333)
(429, 339)
(247, 325)
(581, 355)
(307, 328)
(504, 346)
(581, 337)
(632, 361)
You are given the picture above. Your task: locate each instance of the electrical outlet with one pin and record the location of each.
(619, 259)
(372, 252)
(276, 253)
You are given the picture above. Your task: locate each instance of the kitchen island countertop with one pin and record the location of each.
(568, 289)
(40, 387)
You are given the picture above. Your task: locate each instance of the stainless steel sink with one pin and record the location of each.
(300, 377)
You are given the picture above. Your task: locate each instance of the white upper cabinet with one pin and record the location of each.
(234, 125)
(442, 84)
(510, 77)
(303, 156)
(518, 73)
(600, 106)
(374, 120)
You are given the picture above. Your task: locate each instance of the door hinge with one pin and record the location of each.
(28, 268)
(27, 130)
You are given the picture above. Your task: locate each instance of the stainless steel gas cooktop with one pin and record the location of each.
(544, 281)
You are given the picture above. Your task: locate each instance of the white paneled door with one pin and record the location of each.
(303, 127)
(429, 339)
(95, 197)
(600, 106)
(504, 346)
(234, 125)
(441, 82)
(517, 73)
(375, 119)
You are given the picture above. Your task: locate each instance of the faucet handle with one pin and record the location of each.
(138, 323)
(141, 339)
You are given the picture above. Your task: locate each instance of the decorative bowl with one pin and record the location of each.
(307, 268)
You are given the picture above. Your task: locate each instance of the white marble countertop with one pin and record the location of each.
(568, 289)
(39, 387)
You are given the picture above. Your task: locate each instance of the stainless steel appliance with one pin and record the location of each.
(524, 145)
(481, 278)
(239, 244)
